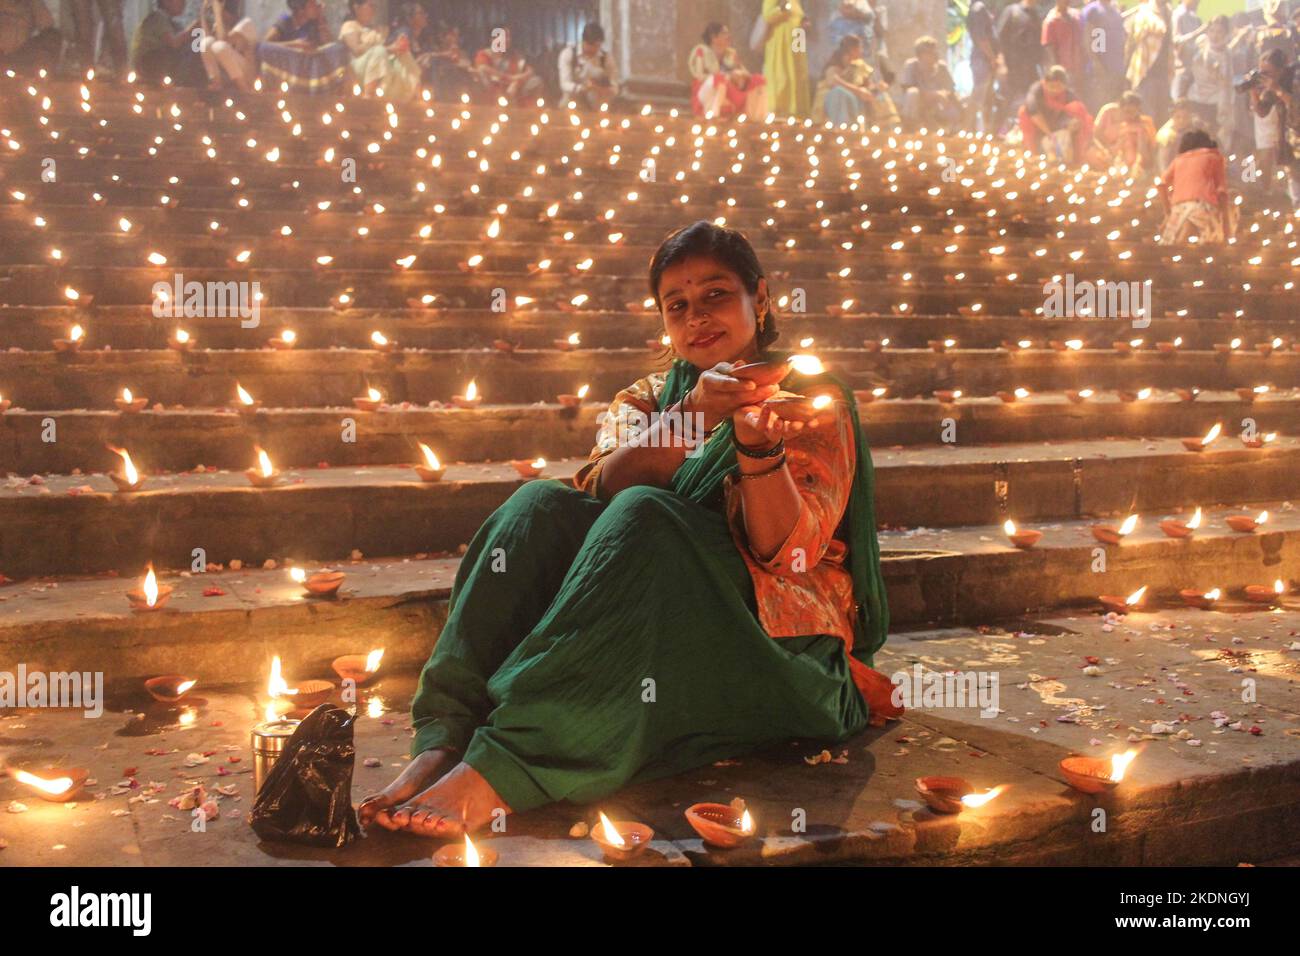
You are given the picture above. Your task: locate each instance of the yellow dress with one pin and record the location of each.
(786, 70)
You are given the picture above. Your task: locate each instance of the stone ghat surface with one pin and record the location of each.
(966, 575)
(177, 440)
(1214, 783)
(81, 524)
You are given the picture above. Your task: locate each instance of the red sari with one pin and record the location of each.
(1058, 109)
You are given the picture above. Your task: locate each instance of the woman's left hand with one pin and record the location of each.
(756, 425)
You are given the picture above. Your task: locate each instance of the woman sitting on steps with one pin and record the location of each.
(673, 607)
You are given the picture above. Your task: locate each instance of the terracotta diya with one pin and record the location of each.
(1109, 534)
(432, 469)
(464, 854)
(56, 786)
(1177, 528)
(621, 840)
(311, 694)
(1194, 598)
(169, 688)
(720, 824)
(1023, 539)
(370, 402)
(763, 373)
(358, 668)
(943, 794)
(150, 595)
(528, 469)
(1261, 594)
(324, 583)
(1245, 523)
(127, 402)
(1123, 605)
(1096, 774)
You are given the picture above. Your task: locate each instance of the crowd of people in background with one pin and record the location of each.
(1082, 82)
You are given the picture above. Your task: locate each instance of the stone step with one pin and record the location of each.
(33, 328)
(179, 440)
(970, 576)
(81, 524)
(92, 378)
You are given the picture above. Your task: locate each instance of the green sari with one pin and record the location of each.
(593, 644)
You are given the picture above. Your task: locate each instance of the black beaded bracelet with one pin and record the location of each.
(773, 452)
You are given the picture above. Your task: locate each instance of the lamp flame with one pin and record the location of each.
(243, 395)
(373, 659)
(979, 799)
(53, 787)
(128, 467)
(807, 364)
(1135, 598)
(1119, 764)
(1195, 521)
(471, 390)
(264, 463)
(150, 587)
(430, 458)
(1129, 524)
(611, 835)
(471, 854)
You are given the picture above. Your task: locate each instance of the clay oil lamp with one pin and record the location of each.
(621, 840)
(425, 301)
(286, 340)
(1194, 598)
(56, 786)
(381, 343)
(342, 301)
(264, 475)
(150, 595)
(1187, 394)
(504, 345)
(947, 396)
(1259, 441)
(359, 668)
(762, 373)
(1176, 528)
(471, 398)
(837, 310)
(1015, 396)
(1124, 348)
(4, 404)
(127, 402)
(244, 401)
(1169, 348)
(1227, 348)
(1119, 605)
(799, 408)
(663, 342)
(952, 794)
(1245, 523)
(528, 469)
(181, 341)
(865, 397)
(371, 401)
(130, 479)
(169, 688)
(1024, 540)
(76, 337)
(1202, 443)
(454, 854)
(1262, 594)
(1079, 395)
(875, 345)
(432, 469)
(941, 345)
(470, 264)
(568, 344)
(806, 364)
(1096, 774)
(1267, 348)
(1250, 394)
(323, 583)
(720, 824)
(573, 401)
(1141, 395)
(1109, 534)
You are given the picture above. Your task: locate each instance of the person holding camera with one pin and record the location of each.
(1273, 93)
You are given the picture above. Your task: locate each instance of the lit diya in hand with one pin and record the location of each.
(952, 794)
(454, 854)
(762, 373)
(1021, 539)
(323, 583)
(1202, 443)
(369, 402)
(471, 398)
(1261, 594)
(150, 595)
(529, 469)
(56, 786)
(799, 408)
(720, 824)
(1176, 528)
(573, 401)
(128, 402)
(264, 475)
(1109, 534)
(358, 668)
(130, 479)
(622, 840)
(76, 336)
(432, 469)
(1245, 523)
(169, 688)
(1120, 605)
(1194, 598)
(285, 340)
(1096, 774)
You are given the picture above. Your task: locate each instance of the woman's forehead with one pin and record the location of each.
(693, 271)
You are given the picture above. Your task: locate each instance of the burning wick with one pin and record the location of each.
(468, 855)
(1109, 534)
(130, 479)
(57, 789)
(1021, 539)
(1123, 605)
(127, 402)
(371, 401)
(1182, 529)
(150, 595)
(471, 398)
(573, 401)
(1096, 774)
(1193, 598)
(264, 475)
(1245, 523)
(529, 469)
(432, 469)
(973, 800)
(1261, 594)
(76, 335)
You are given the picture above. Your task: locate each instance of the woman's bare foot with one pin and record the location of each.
(418, 775)
(457, 804)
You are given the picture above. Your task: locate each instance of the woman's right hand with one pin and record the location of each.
(717, 394)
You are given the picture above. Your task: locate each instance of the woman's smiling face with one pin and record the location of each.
(708, 314)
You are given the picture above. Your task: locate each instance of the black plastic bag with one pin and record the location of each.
(307, 796)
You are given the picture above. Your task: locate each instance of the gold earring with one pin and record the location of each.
(762, 321)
